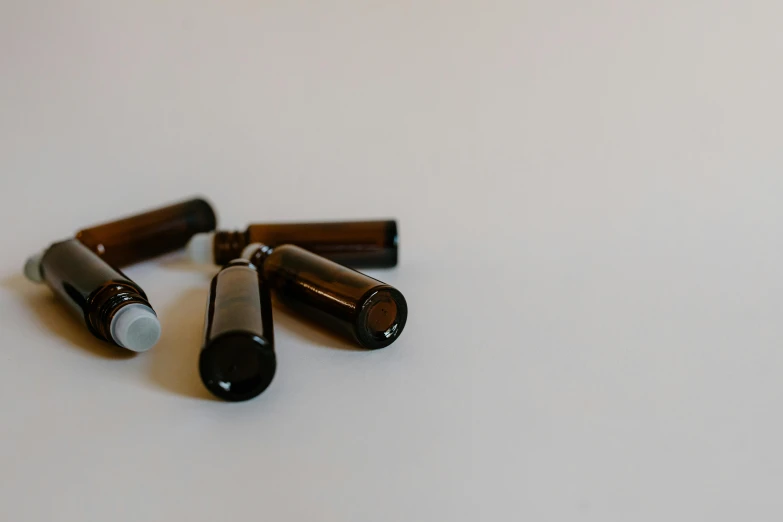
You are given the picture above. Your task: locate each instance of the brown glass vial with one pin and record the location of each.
(149, 234)
(114, 308)
(356, 244)
(237, 360)
(354, 305)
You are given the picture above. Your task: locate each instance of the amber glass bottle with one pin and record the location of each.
(149, 234)
(238, 360)
(114, 308)
(356, 306)
(357, 244)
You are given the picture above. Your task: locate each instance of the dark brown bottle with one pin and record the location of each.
(354, 305)
(357, 244)
(149, 234)
(114, 308)
(238, 360)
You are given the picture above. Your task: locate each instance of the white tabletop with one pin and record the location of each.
(589, 198)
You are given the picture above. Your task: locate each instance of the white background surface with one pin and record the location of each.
(589, 197)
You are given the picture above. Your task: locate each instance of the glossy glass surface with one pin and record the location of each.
(363, 309)
(88, 285)
(149, 234)
(357, 244)
(238, 360)
(237, 366)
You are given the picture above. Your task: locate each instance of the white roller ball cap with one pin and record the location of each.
(135, 327)
(201, 248)
(32, 268)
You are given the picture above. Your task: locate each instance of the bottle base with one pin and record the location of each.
(237, 366)
(381, 319)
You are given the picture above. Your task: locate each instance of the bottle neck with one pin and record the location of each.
(107, 302)
(228, 245)
(257, 253)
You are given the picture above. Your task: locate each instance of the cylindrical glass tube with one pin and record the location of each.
(357, 244)
(363, 309)
(149, 234)
(113, 307)
(237, 360)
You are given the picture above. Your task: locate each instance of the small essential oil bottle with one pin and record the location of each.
(149, 234)
(357, 244)
(238, 360)
(348, 302)
(114, 308)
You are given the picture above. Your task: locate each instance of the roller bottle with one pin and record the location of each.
(237, 361)
(112, 307)
(149, 234)
(356, 244)
(351, 304)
